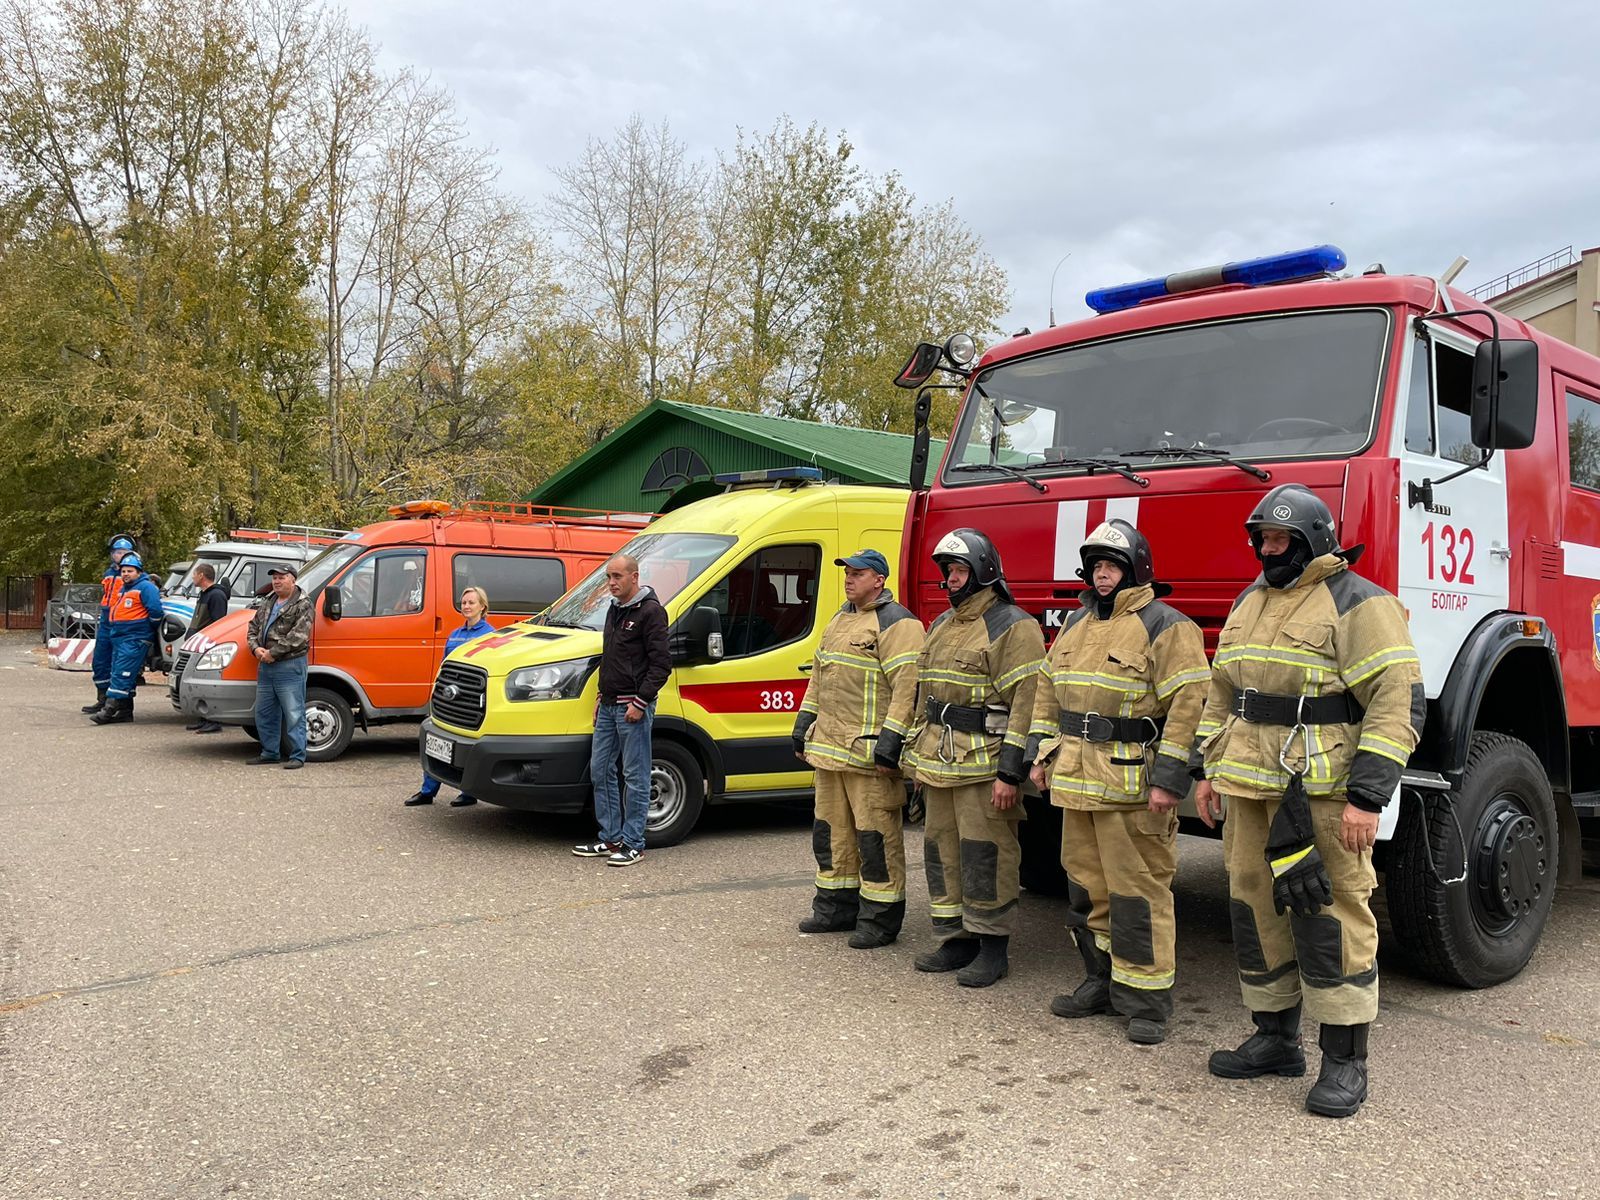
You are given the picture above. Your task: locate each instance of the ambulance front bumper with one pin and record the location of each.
(547, 773)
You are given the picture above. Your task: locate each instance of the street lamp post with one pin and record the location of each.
(1063, 259)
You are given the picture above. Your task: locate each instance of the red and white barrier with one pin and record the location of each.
(71, 654)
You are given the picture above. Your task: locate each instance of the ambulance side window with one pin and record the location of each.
(768, 600)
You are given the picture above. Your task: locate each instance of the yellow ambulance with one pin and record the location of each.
(748, 581)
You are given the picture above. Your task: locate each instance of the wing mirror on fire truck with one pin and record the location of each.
(1505, 394)
(1505, 398)
(919, 368)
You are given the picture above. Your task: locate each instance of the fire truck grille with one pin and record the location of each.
(459, 694)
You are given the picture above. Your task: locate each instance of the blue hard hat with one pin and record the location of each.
(121, 542)
(131, 559)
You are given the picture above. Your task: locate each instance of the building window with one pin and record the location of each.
(672, 469)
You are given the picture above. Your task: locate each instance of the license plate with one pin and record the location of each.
(437, 747)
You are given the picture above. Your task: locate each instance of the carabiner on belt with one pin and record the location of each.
(1299, 727)
(947, 737)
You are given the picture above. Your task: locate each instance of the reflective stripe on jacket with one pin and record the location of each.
(1332, 631)
(863, 680)
(110, 592)
(1146, 660)
(985, 653)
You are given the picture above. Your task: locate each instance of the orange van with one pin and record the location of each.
(384, 599)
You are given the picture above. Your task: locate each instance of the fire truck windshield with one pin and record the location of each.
(1300, 385)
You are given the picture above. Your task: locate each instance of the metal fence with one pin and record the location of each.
(1515, 279)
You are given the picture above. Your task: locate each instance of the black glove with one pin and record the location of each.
(802, 725)
(1299, 880)
(886, 751)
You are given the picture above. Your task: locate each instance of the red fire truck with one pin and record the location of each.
(1460, 446)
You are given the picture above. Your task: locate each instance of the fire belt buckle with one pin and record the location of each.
(1086, 732)
(1241, 711)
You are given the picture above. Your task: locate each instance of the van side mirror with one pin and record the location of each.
(697, 638)
(332, 603)
(1505, 393)
(919, 368)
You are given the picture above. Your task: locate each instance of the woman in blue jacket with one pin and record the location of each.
(475, 608)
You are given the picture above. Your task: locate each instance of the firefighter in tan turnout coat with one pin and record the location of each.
(851, 729)
(975, 685)
(1314, 709)
(1111, 728)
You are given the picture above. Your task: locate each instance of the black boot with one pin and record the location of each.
(1093, 996)
(877, 924)
(833, 910)
(991, 965)
(115, 712)
(1274, 1049)
(99, 702)
(952, 954)
(1341, 1085)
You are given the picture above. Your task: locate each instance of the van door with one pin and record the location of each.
(1454, 553)
(1577, 619)
(385, 639)
(747, 701)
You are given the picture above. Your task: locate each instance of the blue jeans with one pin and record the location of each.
(621, 815)
(281, 707)
(127, 660)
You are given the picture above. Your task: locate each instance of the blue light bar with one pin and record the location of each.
(772, 475)
(1254, 272)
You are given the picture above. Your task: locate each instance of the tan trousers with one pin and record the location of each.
(1329, 960)
(856, 835)
(1122, 864)
(972, 858)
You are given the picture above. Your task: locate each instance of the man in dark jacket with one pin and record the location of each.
(634, 664)
(210, 605)
(279, 638)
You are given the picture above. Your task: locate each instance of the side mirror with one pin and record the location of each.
(698, 637)
(920, 440)
(919, 368)
(1505, 394)
(333, 603)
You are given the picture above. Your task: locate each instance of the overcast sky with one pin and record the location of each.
(1141, 138)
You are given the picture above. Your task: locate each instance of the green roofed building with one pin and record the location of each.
(665, 457)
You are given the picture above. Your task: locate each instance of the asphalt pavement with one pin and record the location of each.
(219, 980)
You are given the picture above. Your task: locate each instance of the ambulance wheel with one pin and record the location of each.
(1040, 835)
(1483, 930)
(329, 725)
(677, 795)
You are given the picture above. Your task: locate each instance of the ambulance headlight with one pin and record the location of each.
(550, 681)
(217, 657)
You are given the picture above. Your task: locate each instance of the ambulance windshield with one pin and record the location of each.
(1303, 385)
(668, 562)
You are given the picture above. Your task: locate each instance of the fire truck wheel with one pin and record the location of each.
(1483, 930)
(677, 795)
(329, 725)
(1041, 848)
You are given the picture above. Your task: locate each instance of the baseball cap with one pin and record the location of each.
(870, 560)
(287, 568)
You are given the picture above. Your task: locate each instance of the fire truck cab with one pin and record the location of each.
(1458, 445)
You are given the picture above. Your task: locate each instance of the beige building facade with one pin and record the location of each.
(1559, 295)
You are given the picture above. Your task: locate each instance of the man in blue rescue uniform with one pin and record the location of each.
(131, 628)
(110, 589)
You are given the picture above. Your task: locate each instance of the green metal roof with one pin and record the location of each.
(856, 455)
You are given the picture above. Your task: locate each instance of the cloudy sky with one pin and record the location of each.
(1139, 137)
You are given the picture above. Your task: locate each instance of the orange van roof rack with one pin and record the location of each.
(309, 535)
(521, 513)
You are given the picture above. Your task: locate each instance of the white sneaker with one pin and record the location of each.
(624, 856)
(594, 849)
